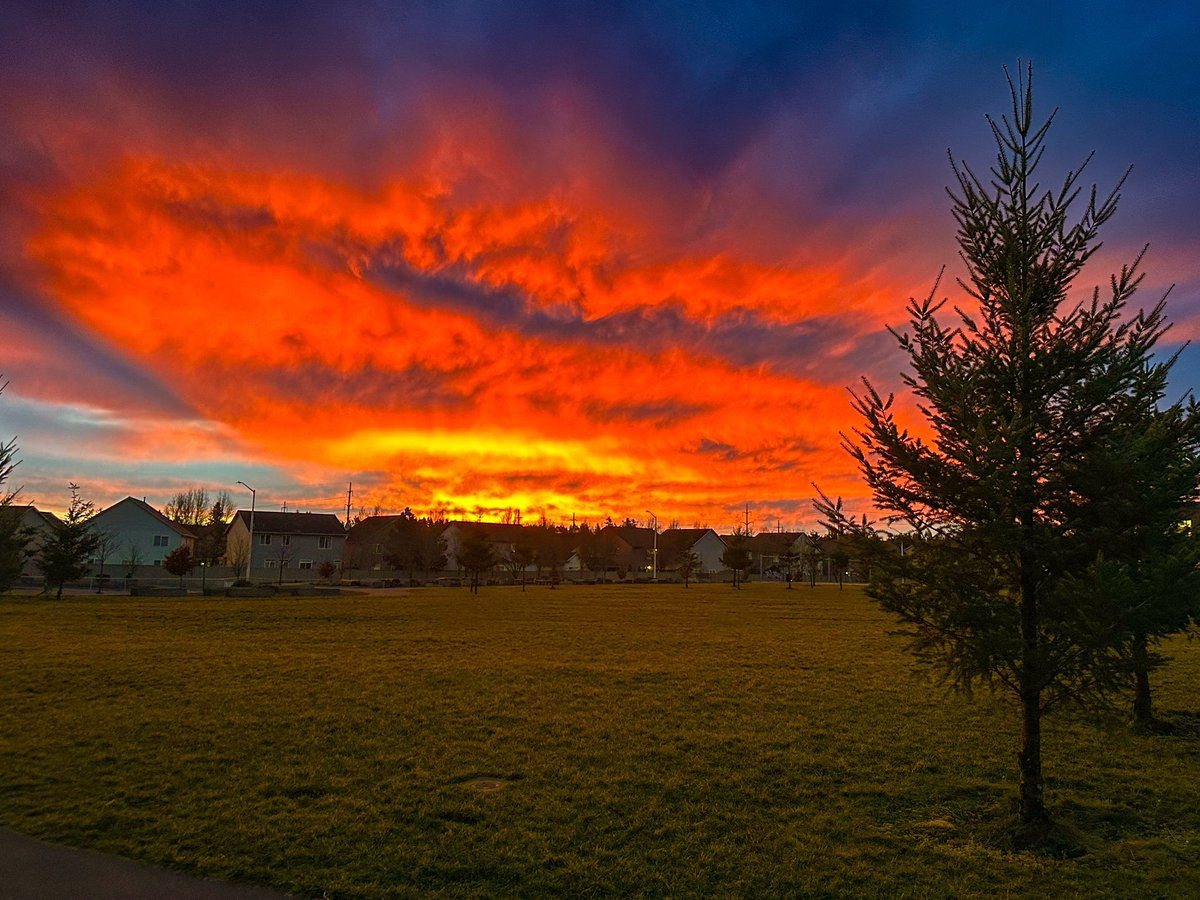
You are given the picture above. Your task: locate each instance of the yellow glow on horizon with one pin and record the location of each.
(491, 449)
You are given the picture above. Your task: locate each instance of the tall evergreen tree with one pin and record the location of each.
(1022, 395)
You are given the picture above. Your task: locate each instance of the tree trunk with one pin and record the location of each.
(1029, 760)
(1143, 710)
(1032, 803)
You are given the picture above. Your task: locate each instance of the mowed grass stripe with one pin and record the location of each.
(634, 740)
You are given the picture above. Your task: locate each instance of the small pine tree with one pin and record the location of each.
(689, 564)
(64, 555)
(523, 556)
(736, 555)
(812, 554)
(1144, 486)
(475, 556)
(789, 560)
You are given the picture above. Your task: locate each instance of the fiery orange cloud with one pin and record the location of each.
(308, 318)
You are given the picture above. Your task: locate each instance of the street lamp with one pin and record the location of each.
(250, 553)
(654, 553)
(203, 580)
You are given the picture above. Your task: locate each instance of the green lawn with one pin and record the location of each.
(646, 741)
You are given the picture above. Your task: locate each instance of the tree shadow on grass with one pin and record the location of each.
(987, 814)
(1175, 723)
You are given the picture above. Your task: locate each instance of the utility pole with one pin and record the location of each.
(654, 554)
(250, 554)
(349, 495)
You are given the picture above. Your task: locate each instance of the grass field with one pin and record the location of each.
(584, 741)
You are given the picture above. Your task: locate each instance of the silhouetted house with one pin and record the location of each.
(501, 536)
(300, 541)
(704, 542)
(41, 526)
(633, 548)
(210, 542)
(367, 544)
(137, 534)
(834, 557)
(768, 547)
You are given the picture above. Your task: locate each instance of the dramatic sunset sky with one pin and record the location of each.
(564, 258)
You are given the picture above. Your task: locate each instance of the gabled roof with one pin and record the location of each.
(149, 510)
(636, 537)
(682, 537)
(773, 543)
(371, 529)
(674, 542)
(32, 517)
(292, 523)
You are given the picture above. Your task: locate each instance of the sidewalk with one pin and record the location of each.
(34, 870)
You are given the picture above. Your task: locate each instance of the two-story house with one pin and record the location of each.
(134, 534)
(299, 541)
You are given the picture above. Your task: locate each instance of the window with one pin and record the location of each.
(287, 539)
(324, 543)
(264, 539)
(158, 562)
(306, 563)
(272, 563)
(161, 540)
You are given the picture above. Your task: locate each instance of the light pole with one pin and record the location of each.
(654, 552)
(203, 580)
(250, 550)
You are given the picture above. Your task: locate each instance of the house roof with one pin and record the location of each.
(32, 517)
(292, 523)
(677, 540)
(371, 529)
(674, 542)
(150, 511)
(773, 543)
(636, 537)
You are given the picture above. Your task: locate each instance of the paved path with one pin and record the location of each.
(34, 870)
